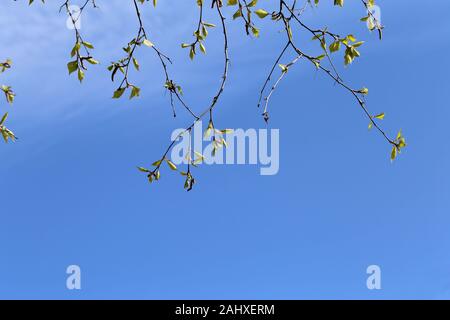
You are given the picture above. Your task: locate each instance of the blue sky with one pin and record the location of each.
(71, 193)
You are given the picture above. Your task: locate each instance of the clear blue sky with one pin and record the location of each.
(70, 193)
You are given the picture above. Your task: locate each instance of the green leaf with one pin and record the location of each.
(80, 75)
(380, 116)
(2, 121)
(261, 13)
(171, 165)
(72, 66)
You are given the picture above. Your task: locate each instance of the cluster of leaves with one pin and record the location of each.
(6, 133)
(350, 43)
(399, 144)
(245, 11)
(193, 158)
(200, 34)
(217, 137)
(370, 19)
(122, 66)
(79, 64)
(155, 174)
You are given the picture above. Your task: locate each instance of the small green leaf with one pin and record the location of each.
(171, 165)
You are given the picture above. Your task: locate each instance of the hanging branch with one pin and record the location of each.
(155, 173)
(78, 65)
(286, 14)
